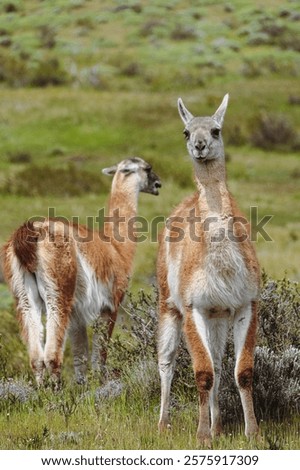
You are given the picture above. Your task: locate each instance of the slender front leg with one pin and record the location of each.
(217, 336)
(103, 329)
(169, 334)
(196, 333)
(79, 342)
(245, 326)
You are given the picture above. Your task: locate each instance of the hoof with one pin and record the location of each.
(163, 426)
(255, 436)
(204, 440)
(217, 431)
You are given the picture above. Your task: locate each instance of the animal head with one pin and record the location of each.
(203, 134)
(135, 171)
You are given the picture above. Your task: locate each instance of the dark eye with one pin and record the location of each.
(186, 134)
(215, 132)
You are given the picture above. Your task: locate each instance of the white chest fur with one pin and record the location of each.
(223, 279)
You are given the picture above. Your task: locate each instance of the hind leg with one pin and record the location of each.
(56, 281)
(29, 308)
(169, 334)
(58, 317)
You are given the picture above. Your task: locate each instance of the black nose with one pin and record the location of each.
(157, 184)
(200, 145)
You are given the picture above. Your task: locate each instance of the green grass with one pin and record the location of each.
(121, 72)
(72, 419)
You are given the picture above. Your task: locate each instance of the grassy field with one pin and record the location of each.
(78, 421)
(83, 86)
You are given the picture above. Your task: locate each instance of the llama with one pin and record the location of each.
(75, 275)
(208, 277)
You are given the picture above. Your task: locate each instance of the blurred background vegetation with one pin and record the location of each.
(86, 83)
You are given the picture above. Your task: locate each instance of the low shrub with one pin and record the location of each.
(15, 390)
(10, 7)
(18, 70)
(19, 157)
(279, 315)
(183, 33)
(277, 356)
(272, 131)
(47, 71)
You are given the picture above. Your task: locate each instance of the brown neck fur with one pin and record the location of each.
(122, 209)
(214, 196)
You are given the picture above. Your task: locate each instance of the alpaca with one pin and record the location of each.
(208, 276)
(75, 275)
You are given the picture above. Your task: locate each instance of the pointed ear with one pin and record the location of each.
(129, 167)
(184, 113)
(220, 113)
(110, 171)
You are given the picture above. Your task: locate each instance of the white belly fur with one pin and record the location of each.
(92, 295)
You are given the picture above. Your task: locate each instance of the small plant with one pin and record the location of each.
(36, 439)
(68, 406)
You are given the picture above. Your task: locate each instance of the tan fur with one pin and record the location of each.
(210, 276)
(75, 275)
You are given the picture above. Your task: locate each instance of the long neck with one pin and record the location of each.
(214, 197)
(119, 228)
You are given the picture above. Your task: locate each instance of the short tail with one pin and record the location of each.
(24, 242)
